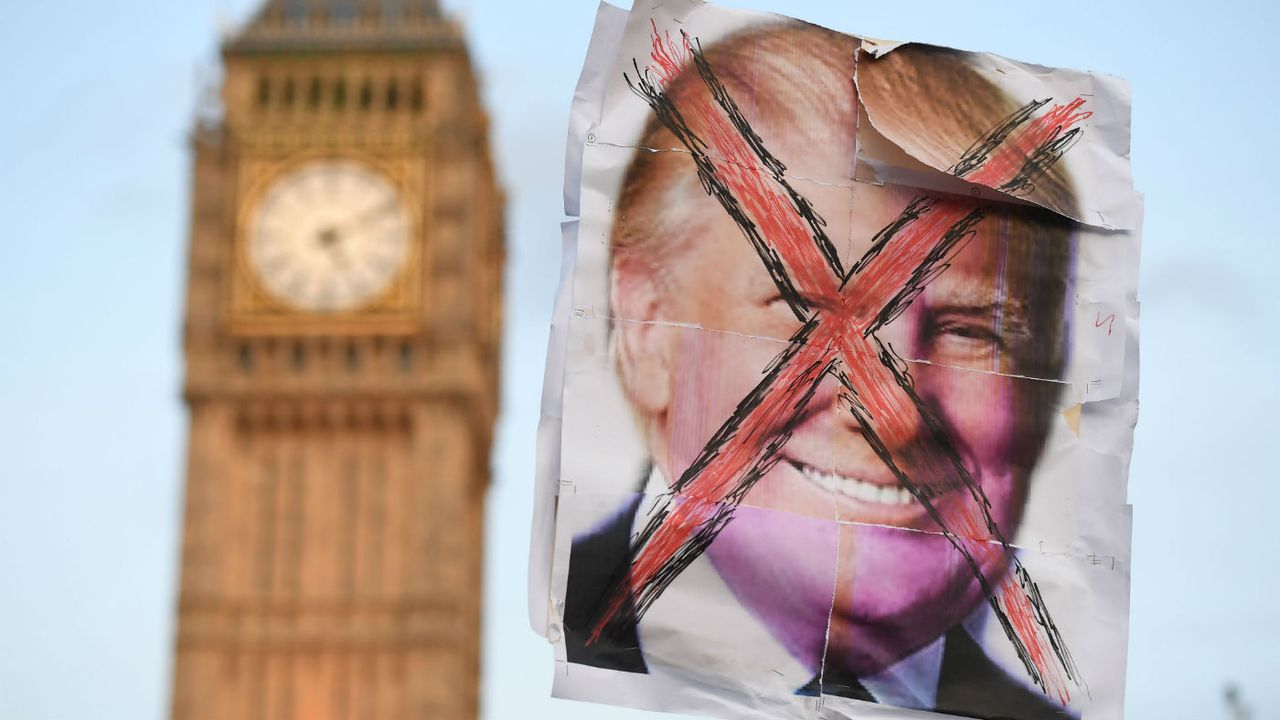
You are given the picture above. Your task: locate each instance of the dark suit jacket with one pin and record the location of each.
(969, 683)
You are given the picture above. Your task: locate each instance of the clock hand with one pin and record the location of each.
(365, 218)
(330, 239)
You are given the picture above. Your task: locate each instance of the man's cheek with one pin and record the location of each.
(896, 571)
(712, 372)
(979, 409)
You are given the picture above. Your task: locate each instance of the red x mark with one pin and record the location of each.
(840, 313)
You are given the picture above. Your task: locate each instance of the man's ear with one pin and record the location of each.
(644, 348)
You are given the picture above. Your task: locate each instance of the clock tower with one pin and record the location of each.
(341, 338)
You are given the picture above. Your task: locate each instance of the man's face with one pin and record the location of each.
(830, 519)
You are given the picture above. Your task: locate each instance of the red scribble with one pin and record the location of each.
(1005, 163)
(698, 502)
(1109, 320)
(668, 57)
(841, 335)
(751, 184)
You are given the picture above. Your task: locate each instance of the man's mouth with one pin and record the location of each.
(860, 489)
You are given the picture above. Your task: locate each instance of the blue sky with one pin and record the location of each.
(95, 103)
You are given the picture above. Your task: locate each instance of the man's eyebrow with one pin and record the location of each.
(963, 308)
(966, 294)
(975, 299)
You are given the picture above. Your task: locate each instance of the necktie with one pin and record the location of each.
(840, 683)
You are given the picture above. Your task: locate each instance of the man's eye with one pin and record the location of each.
(970, 331)
(964, 339)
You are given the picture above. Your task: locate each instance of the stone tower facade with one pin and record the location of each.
(341, 338)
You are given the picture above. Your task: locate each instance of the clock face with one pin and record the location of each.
(329, 236)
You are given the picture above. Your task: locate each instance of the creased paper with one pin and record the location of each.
(842, 378)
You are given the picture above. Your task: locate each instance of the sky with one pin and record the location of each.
(96, 102)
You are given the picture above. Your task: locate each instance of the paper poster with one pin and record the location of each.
(842, 379)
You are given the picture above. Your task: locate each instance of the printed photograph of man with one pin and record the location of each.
(840, 566)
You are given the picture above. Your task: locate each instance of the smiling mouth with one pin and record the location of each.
(863, 490)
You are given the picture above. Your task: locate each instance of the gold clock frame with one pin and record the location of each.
(253, 310)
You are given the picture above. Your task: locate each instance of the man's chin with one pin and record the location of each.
(907, 589)
(867, 646)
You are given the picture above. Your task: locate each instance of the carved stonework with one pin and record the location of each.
(338, 458)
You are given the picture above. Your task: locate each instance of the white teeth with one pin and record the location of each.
(858, 489)
(889, 494)
(863, 491)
